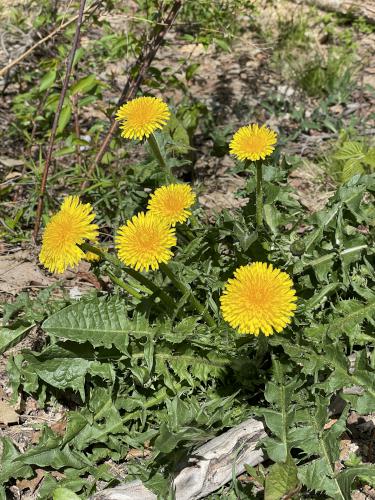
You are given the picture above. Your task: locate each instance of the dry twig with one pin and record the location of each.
(76, 126)
(69, 66)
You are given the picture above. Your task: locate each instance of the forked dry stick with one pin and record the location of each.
(68, 71)
(132, 85)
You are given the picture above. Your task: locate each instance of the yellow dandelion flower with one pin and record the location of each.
(142, 116)
(67, 229)
(145, 241)
(171, 203)
(258, 299)
(253, 142)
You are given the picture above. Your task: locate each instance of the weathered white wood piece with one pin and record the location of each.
(208, 469)
(211, 465)
(133, 490)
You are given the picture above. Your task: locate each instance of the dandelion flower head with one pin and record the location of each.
(253, 142)
(140, 117)
(67, 229)
(145, 241)
(259, 298)
(171, 203)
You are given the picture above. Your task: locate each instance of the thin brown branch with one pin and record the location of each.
(132, 85)
(53, 33)
(76, 126)
(68, 71)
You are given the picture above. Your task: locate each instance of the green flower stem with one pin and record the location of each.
(125, 286)
(262, 349)
(184, 290)
(259, 195)
(188, 231)
(166, 299)
(153, 143)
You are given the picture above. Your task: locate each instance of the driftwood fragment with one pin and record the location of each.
(128, 491)
(208, 469)
(212, 464)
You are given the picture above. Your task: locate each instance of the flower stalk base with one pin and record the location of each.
(185, 291)
(259, 195)
(153, 143)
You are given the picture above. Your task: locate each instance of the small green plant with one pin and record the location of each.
(331, 76)
(349, 158)
(291, 37)
(319, 71)
(210, 22)
(363, 26)
(292, 32)
(355, 158)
